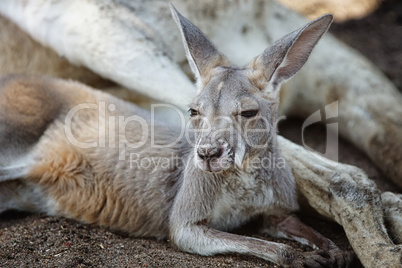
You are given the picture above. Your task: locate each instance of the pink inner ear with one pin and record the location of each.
(299, 52)
(287, 56)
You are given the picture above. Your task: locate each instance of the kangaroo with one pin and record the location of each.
(71, 151)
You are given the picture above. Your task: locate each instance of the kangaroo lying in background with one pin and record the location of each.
(62, 154)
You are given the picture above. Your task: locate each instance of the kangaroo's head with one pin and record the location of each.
(235, 111)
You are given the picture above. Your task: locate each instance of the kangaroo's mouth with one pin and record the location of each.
(214, 165)
(220, 160)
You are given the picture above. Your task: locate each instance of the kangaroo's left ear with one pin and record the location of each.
(201, 53)
(286, 56)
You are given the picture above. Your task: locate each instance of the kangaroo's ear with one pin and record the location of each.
(286, 56)
(201, 53)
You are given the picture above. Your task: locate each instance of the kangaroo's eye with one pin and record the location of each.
(249, 113)
(193, 112)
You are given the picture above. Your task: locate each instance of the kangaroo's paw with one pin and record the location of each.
(290, 227)
(314, 259)
(341, 258)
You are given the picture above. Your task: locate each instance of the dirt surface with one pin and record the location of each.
(38, 240)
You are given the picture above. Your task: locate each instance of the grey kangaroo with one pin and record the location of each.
(69, 150)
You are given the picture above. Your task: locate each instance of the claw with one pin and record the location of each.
(314, 259)
(342, 259)
(322, 258)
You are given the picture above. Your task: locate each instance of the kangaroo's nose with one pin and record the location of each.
(209, 152)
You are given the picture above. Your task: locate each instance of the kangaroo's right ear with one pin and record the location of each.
(201, 53)
(286, 56)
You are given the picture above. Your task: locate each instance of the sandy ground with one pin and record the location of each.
(41, 241)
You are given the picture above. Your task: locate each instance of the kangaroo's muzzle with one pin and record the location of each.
(213, 157)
